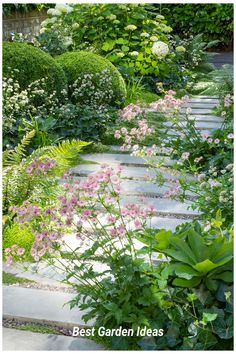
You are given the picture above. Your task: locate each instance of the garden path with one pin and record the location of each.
(46, 305)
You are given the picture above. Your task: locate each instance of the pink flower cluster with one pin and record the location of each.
(139, 133)
(40, 166)
(169, 102)
(130, 112)
(13, 252)
(26, 212)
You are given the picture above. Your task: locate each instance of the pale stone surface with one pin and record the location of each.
(198, 125)
(160, 150)
(41, 305)
(198, 110)
(14, 339)
(130, 172)
(124, 159)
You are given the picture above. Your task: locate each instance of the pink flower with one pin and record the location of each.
(87, 213)
(20, 251)
(115, 179)
(7, 251)
(111, 219)
(8, 261)
(137, 223)
(117, 134)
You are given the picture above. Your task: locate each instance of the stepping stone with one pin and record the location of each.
(205, 97)
(130, 172)
(131, 187)
(204, 118)
(160, 150)
(14, 339)
(171, 132)
(198, 125)
(198, 111)
(41, 306)
(199, 105)
(163, 205)
(214, 101)
(124, 159)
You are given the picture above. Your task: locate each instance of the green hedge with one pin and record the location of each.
(79, 63)
(32, 64)
(214, 20)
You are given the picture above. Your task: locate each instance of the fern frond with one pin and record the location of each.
(15, 156)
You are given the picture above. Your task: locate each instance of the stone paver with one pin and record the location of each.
(198, 125)
(124, 159)
(171, 132)
(160, 150)
(42, 305)
(203, 118)
(198, 110)
(140, 187)
(130, 172)
(14, 339)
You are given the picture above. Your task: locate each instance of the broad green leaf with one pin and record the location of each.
(197, 245)
(182, 246)
(225, 276)
(205, 266)
(191, 283)
(208, 317)
(163, 239)
(184, 271)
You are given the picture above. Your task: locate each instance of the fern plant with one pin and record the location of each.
(20, 185)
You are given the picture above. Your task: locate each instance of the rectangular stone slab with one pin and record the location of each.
(14, 339)
(43, 305)
(131, 172)
(124, 159)
(198, 125)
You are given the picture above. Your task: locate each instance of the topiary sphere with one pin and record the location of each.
(80, 63)
(32, 64)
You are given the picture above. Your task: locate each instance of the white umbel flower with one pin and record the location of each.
(160, 49)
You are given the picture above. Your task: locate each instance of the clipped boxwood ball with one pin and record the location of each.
(32, 64)
(80, 63)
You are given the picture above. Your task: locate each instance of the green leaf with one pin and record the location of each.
(197, 245)
(108, 45)
(184, 271)
(205, 266)
(163, 239)
(208, 317)
(191, 283)
(225, 276)
(125, 48)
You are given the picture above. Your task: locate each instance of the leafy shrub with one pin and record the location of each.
(125, 33)
(215, 21)
(31, 64)
(85, 68)
(20, 235)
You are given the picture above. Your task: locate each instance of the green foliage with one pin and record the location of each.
(19, 184)
(124, 33)
(20, 235)
(215, 21)
(11, 279)
(82, 64)
(193, 258)
(32, 64)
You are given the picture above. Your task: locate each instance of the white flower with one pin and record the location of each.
(63, 8)
(130, 28)
(55, 12)
(134, 54)
(145, 34)
(180, 49)
(120, 54)
(185, 155)
(160, 49)
(153, 38)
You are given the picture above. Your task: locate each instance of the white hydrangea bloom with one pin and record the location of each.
(134, 54)
(160, 49)
(130, 28)
(145, 34)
